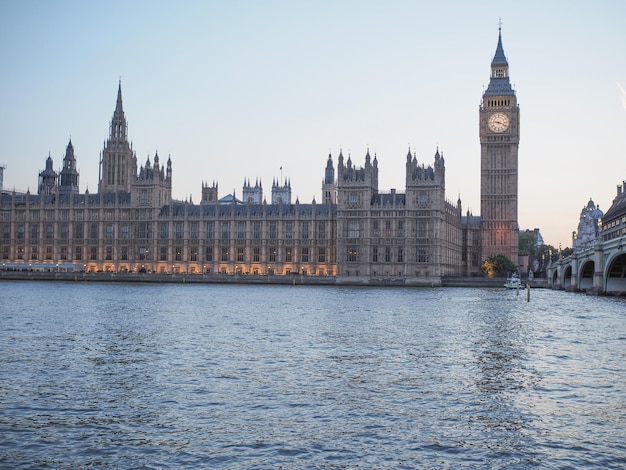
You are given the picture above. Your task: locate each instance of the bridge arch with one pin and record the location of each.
(615, 275)
(585, 281)
(567, 276)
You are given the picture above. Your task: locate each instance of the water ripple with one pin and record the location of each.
(148, 376)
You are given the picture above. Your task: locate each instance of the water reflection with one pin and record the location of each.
(255, 377)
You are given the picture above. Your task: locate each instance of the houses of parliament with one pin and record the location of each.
(356, 232)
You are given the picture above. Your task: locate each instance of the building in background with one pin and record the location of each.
(499, 142)
(357, 232)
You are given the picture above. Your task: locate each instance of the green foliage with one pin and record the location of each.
(528, 244)
(547, 253)
(497, 266)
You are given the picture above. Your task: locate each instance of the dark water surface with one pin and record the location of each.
(212, 376)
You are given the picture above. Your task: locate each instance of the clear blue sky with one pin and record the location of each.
(238, 89)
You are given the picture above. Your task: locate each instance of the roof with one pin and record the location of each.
(617, 209)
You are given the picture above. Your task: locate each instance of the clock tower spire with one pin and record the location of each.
(499, 141)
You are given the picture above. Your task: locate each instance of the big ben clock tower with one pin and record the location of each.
(499, 142)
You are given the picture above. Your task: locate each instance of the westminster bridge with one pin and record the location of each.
(600, 269)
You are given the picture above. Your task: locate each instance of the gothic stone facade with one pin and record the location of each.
(357, 233)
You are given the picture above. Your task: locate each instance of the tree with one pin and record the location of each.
(499, 265)
(528, 244)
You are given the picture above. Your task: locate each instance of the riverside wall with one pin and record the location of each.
(256, 279)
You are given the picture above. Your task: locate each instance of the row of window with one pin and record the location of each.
(64, 214)
(354, 229)
(143, 230)
(223, 254)
(387, 254)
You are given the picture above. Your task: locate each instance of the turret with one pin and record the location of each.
(68, 178)
(47, 179)
(281, 192)
(209, 193)
(329, 188)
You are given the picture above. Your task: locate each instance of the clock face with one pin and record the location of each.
(498, 122)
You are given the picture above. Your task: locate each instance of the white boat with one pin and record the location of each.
(513, 281)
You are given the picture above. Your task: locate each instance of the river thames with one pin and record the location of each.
(114, 375)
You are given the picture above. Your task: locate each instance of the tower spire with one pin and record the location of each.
(499, 83)
(118, 105)
(118, 162)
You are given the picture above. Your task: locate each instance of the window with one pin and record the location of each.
(353, 254)
(208, 254)
(240, 254)
(375, 254)
(34, 252)
(124, 253)
(387, 233)
(93, 231)
(79, 231)
(163, 253)
(256, 230)
(387, 254)
(256, 254)
(78, 253)
(109, 232)
(143, 230)
(241, 230)
(20, 231)
(353, 229)
(321, 255)
(288, 254)
(321, 230)
(93, 253)
(178, 253)
(194, 230)
(49, 252)
(273, 251)
(225, 231)
(209, 230)
(273, 231)
(163, 229)
(224, 256)
(108, 252)
(50, 231)
(179, 230)
(400, 255)
(289, 230)
(6, 232)
(422, 255)
(305, 230)
(34, 231)
(305, 255)
(193, 253)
